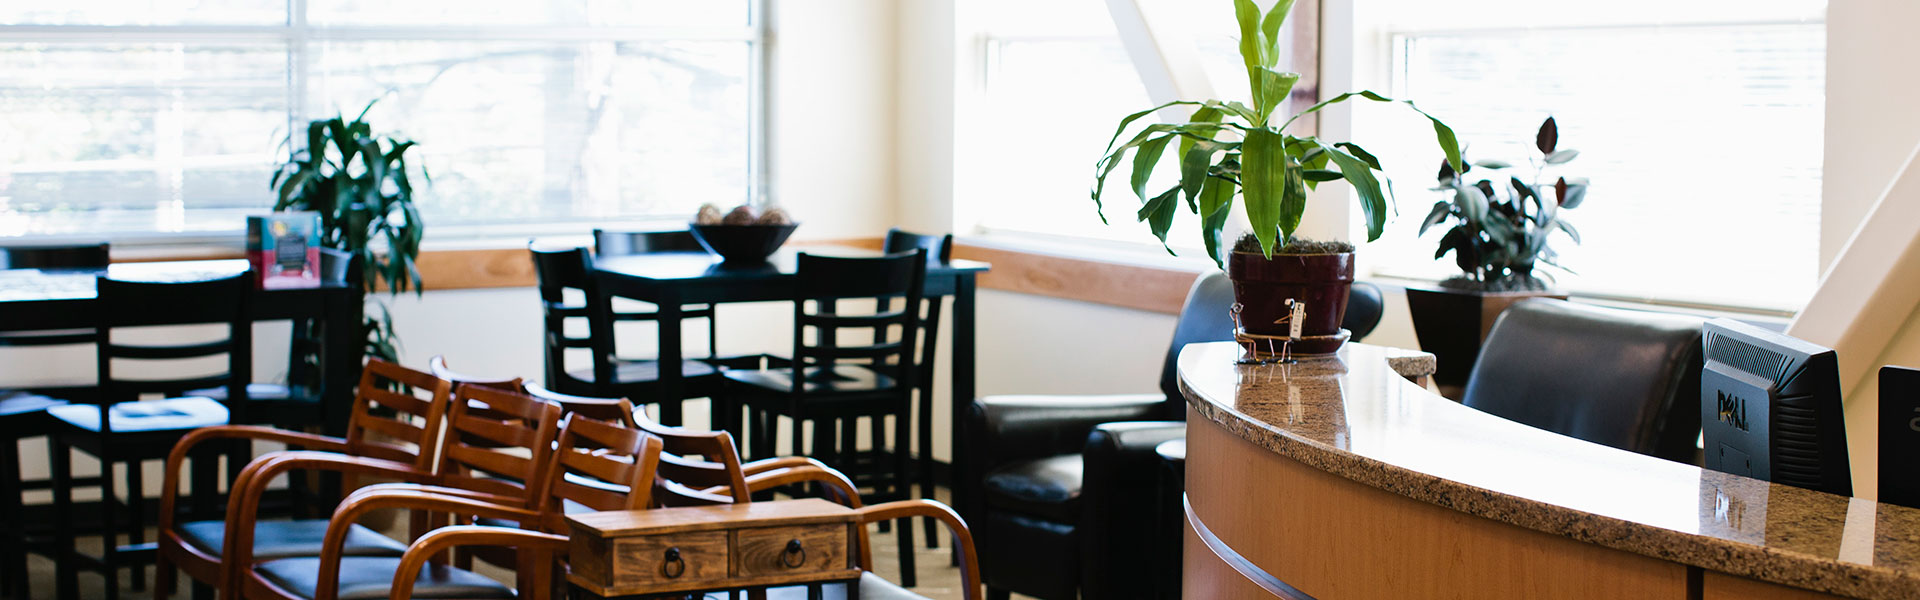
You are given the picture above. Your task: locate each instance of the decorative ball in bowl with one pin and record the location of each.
(742, 236)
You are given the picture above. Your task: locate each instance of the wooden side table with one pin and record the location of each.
(713, 548)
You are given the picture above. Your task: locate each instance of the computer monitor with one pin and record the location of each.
(1899, 435)
(1770, 408)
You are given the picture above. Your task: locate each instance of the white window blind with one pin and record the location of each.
(1703, 142)
(169, 116)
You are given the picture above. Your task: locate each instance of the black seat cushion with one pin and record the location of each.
(172, 414)
(842, 379)
(872, 587)
(1047, 487)
(641, 371)
(290, 539)
(371, 578)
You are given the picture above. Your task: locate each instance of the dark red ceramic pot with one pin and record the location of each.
(1263, 286)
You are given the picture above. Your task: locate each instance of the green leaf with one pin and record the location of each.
(1293, 202)
(1248, 16)
(1216, 204)
(1576, 193)
(1492, 164)
(1568, 227)
(1270, 28)
(1270, 89)
(1439, 213)
(1158, 213)
(1561, 157)
(1145, 160)
(1206, 114)
(1263, 179)
(1373, 202)
(1135, 117)
(1319, 175)
(1444, 135)
(1453, 240)
(1194, 164)
(1361, 154)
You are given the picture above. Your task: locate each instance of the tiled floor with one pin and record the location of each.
(938, 579)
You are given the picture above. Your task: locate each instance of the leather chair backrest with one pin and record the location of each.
(1365, 305)
(1627, 379)
(1205, 317)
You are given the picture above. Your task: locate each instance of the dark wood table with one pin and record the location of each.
(33, 299)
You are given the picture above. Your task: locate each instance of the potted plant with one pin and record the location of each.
(1227, 149)
(1500, 239)
(359, 184)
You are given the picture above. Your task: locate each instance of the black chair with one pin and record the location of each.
(939, 250)
(571, 268)
(1063, 492)
(1627, 379)
(119, 427)
(624, 243)
(22, 411)
(835, 379)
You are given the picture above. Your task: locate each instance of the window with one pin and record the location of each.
(163, 116)
(1702, 137)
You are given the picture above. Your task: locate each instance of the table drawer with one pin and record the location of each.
(670, 560)
(791, 550)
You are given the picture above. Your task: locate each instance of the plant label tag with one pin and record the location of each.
(1297, 320)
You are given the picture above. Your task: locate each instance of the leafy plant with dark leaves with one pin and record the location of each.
(1502, 229)
(359, 184)
(1227, 149)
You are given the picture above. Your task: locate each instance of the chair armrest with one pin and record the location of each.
(963, 539)
(381, 488)
(782, 462)
(243, 499)
(410, 499)
(1018, 427)
(446, 538)
(1121, 499)
(835, 482)
(177, 457)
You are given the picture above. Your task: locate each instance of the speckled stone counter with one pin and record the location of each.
(1357, 418)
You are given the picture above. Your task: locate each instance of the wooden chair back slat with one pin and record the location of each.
(600, 465)
(693, 459)
(497, 440)
(411, 433)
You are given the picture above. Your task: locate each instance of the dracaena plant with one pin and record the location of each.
(359, 184)
(1501, 230)
(1227, 149)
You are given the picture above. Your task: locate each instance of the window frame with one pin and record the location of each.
(297, 34)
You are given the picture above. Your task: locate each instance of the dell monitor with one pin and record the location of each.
(1770, 408)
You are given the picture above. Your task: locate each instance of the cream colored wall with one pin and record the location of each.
(1871, 133)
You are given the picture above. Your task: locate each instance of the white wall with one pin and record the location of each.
(1871, 124)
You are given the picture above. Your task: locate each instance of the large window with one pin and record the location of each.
(1701, 135)
(169, 116)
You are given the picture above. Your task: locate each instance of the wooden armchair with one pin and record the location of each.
(493, 442)
(596, 465)
(407, 439)
(712, 477)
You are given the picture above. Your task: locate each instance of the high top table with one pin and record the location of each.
(1339, 478)
(33, 299)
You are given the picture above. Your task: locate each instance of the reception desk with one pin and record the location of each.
(1342, 478)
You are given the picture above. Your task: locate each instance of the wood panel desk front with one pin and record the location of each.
(1341, 479)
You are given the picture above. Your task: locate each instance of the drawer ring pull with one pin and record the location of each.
(794, 550)
(673, 560)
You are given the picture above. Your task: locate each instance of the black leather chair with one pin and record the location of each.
(1627, 379)
(1063, 500)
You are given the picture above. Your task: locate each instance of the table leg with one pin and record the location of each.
(671, 379)
(343, 353)
(962, 394)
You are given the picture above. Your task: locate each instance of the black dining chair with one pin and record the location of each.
(564, 269)
(834, 379)
(23, 411)
(939, 251)
(123, 426)
(625, 243)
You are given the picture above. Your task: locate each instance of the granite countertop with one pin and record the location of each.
(1356, 415)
